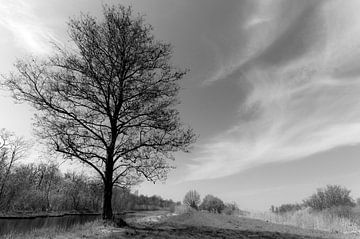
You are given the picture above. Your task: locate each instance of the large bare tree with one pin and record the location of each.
(109, 100)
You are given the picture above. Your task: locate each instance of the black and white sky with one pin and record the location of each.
(273, 89)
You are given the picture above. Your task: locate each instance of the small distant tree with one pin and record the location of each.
(331, 196)
(192, 199)
(212, 204)
(272, 209)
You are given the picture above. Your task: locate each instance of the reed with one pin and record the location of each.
(308, 219)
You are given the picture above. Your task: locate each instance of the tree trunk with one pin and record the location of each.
(107, 213)
(108, 184)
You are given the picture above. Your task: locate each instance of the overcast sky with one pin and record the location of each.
(273, 89)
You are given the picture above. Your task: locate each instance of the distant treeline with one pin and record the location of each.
(44, 188)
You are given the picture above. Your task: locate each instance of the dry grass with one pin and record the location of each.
(194, 224)
(87, 230)
(308, 219)
(240, 224)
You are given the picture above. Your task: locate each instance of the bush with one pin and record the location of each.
(192, 199)
(331, 196)
(212, 204)
(286, 208)
(231, 209)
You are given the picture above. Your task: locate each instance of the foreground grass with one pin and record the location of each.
(307, 219)
(95, 229)
(196, 225)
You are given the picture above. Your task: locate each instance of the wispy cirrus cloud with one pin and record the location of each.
(300, 59)
(29, 31)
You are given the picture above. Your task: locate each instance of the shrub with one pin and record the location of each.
(286, 208)
(331, 196)
(192, 199)
(212, 204)
(232, 209)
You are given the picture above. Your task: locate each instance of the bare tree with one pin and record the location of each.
(12, 148)
(192, 199)
(110, 101)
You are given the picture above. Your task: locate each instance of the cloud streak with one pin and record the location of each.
(29, 31)
(300, 60)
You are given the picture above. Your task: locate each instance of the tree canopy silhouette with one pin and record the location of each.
(109, 100)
